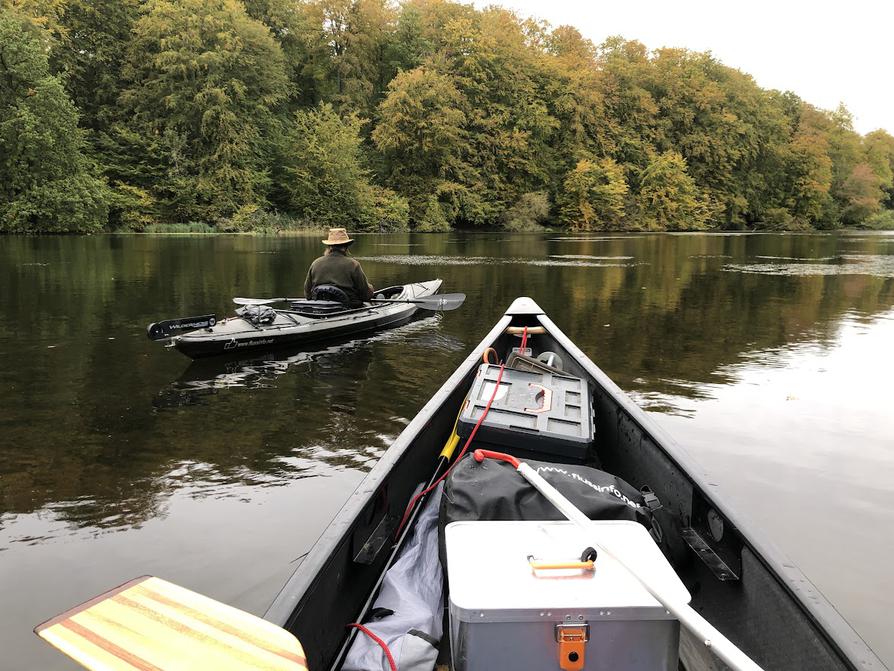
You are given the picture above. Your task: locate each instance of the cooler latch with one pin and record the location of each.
(572, 640)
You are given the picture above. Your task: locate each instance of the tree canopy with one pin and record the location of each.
(46, 181)
(427, 114)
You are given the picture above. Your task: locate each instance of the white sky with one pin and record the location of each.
(826, 52)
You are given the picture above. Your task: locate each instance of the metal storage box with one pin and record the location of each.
(541, 412)
(505, 615)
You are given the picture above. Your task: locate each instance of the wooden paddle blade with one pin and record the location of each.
(151, 624)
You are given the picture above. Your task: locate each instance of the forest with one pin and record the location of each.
(273, 115)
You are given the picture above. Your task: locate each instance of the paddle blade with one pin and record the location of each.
(149, 623)
(172, 327)
(440, 302)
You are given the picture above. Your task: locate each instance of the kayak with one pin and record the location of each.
(722, 562)
(305, 322)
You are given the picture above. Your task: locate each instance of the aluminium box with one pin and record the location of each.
(505, 615)
(541, 412)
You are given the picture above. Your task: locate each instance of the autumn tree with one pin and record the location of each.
(593, 196)
(668, 197)
(879, 146)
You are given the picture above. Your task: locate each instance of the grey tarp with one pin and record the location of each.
(413, 590)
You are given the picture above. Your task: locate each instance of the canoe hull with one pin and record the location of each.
(236, 335)
(770, 610)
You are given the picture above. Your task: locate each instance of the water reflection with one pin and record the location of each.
(844, 264)
(801, 436)
(260, 370)
(102, 453)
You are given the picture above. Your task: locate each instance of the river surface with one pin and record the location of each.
(770, 358)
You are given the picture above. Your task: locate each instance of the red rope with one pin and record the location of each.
(462, 452)
(378, 640)
(382, 644)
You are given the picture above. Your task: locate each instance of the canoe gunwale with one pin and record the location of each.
(785, 585)
(843, 637)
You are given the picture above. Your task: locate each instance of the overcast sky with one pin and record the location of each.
(826, 52)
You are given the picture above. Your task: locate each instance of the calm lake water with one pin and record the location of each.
(769, 357)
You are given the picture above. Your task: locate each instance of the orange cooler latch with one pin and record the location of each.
(572, 640)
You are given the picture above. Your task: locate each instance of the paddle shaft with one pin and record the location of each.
(437, 302)
(719, 644)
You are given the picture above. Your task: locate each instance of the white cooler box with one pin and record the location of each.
(506, 615)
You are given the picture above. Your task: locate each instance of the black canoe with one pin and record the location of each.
(742, 584)
(293, 327)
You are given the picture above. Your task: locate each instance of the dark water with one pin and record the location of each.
(769, 357)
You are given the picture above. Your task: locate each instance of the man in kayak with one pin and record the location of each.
(336, 269)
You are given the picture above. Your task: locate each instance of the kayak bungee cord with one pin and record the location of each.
(427, 490)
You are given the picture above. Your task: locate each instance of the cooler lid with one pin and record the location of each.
(491, 579)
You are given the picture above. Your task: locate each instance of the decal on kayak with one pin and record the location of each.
(255, 342)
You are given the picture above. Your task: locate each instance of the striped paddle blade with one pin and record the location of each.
(151, 624)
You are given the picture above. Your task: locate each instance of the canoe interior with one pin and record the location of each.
(771, 612)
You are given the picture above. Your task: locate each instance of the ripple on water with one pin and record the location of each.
(853, 264)
(797, 258)
(435, 260)
(591, 239)
(588, 256)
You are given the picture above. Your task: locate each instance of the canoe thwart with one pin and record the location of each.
(519, 330)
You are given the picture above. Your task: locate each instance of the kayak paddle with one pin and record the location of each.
(171, 327)
(435, 302)
(149, 623)
(703, 630)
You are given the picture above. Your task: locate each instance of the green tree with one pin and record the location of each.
(90, 52)
(340, 51)
(46, 183)
(668, 197)
(328, 183)
(594, 195)
(203, 82)
(422, 139)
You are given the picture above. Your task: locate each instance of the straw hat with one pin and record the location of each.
(338, 236)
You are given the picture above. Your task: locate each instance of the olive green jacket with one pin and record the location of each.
(340, 270)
